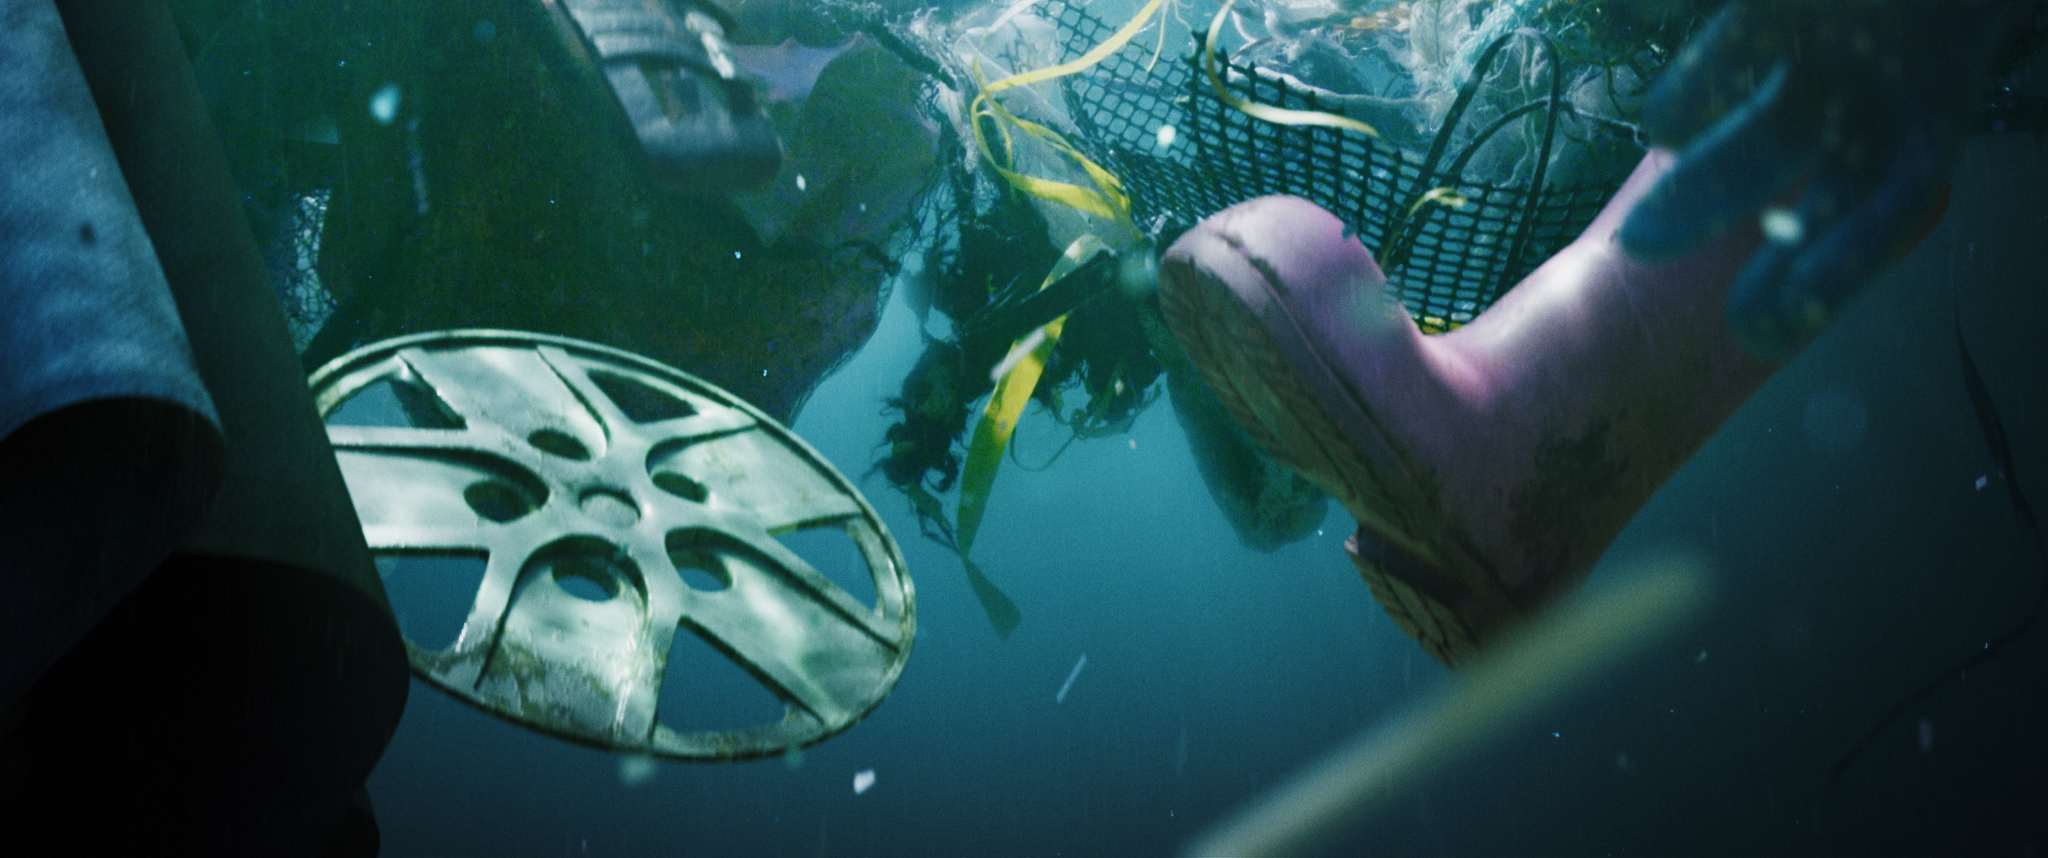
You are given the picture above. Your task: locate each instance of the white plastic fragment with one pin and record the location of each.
(863, 780)
(384, 104)
(1069, 684)
(637, 769)
(1782, 225)
(1018, 352)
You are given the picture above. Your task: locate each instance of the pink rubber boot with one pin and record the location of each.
(1490, 466)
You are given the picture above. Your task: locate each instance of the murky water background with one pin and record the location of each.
(1854, 553)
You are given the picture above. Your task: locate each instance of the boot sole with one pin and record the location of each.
(1263, 390)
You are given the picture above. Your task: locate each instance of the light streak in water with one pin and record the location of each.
(1069, 684)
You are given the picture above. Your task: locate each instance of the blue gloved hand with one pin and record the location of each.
(1859, 105)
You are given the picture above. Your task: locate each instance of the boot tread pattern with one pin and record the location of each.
(1284, 417)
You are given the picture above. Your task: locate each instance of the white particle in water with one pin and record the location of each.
(384, 104)
(1782, 225)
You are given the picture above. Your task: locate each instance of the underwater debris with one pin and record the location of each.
(1068, 685)
(384, 104)
(992, 435)
(787, 71)
(1013, 390)
(863, 780)
(1023, 349)
(637, 769)
(1268, 113)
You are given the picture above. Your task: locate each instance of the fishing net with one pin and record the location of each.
(1503, 126)
(1497, 143)
(1485, 165)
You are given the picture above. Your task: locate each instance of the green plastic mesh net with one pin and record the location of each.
(1468, 188)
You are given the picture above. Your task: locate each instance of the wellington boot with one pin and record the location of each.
(1490, 466)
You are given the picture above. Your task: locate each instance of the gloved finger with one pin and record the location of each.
(1719, 69)
(1754, 153)
(1753, 309)
(1843, 232)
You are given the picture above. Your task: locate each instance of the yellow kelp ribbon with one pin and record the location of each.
(1398, 247)
(1442, 195)
(1002, 613)
(1107, 199)
(999, 418)
(1019, 374)
(1269, 113)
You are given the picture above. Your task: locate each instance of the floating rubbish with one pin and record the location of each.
(1782, 226)
(1018, 353)
(862, 780)
(1069, 684)
(788, 71)
(637, 769)
(384, 104)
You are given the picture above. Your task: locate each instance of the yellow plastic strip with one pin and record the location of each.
(1159, 48)
(1269, 113)
(999, 418)
(1439, 195)
(1107, 199)
(1096, 55)
(1002, 612)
